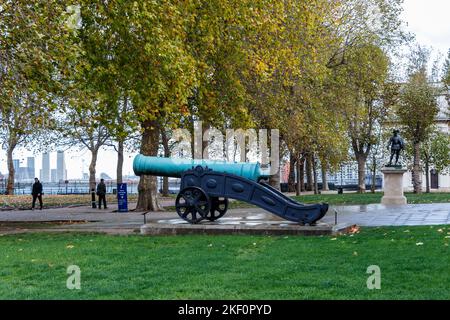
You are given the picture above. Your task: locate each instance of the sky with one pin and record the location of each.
(428, 19)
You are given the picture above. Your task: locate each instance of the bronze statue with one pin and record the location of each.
(396, 144)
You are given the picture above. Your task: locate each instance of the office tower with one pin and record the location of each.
(30, 168)
(16, 164)
(61, 174)
(45, 176)
(54, 176)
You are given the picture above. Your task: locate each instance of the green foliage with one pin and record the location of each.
(417, 107)
(35, 50)
(35, 46)
(436, 150)
(359, 90)
(127, 67)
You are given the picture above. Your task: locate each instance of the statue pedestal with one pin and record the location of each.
(393, 185)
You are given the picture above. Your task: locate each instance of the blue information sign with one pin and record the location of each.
(122, 197)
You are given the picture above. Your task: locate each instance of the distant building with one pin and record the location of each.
(438, 180)
(61, 174)
(105, 176)
(45, 171)
(16, 164)
(31, 171)
(54, 176)
(24, 174)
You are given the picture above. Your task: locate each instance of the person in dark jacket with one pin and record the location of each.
(101, 193)
(36, 192)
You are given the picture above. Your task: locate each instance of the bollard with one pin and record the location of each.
(94, 204)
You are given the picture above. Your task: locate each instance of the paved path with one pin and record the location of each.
(401, 215)
(115, 222)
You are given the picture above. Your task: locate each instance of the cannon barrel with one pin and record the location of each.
(172, 167)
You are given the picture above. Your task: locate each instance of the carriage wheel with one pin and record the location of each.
(192, 204)
(219, 207)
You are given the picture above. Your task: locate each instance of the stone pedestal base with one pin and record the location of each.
(393, 186)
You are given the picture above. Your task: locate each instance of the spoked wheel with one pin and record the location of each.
(219, 207)
(192, 204)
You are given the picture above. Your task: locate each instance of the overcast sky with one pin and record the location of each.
(427, 19)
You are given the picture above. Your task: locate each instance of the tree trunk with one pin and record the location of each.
(299, 185)
(301, 174)
(165, 143)
(11, 172)
(427, 175)
(374, 171)
(92, 169)
(361, 159)
(324, 177)
(274, 180)
(309, 176)
(148, 186)
(291, 178)
(120, 148)
(205, 144)
(121, 142)
(314, 167)
(417, 172)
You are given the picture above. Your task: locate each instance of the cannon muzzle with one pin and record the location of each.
(172, 167)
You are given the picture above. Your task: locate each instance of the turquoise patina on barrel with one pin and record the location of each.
(172, 167)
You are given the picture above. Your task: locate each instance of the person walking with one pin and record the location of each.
(101, 193)
(36, 192)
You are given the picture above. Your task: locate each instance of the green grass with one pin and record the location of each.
(23, 202)
(33, 266)
(368, 198)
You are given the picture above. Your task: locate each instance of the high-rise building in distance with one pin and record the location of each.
(54, 175)
(16, 164)
(24, 174)
(45, 172)
(61, 172)
(31, 171)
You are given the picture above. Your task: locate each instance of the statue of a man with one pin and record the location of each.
(396, 144)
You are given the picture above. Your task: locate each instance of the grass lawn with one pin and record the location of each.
(414, 263)
(52, 201)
